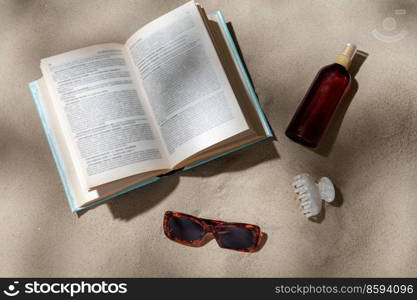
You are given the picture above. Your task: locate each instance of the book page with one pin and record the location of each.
(185, 84)
(101, 114)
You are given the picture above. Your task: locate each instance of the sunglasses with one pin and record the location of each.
(192, 231)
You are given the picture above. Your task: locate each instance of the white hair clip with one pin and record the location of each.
(311, 193)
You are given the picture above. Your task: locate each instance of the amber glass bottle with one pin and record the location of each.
(316, 110)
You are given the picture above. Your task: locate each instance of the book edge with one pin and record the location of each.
(33, 86)
(247, 82)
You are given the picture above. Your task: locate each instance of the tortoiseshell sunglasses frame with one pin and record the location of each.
(211, 227)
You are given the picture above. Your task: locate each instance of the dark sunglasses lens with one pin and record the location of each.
(185, 229)
(236, 238)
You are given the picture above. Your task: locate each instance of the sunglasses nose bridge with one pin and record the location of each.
(211, 229)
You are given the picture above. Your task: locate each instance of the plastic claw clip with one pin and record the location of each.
(310, 193)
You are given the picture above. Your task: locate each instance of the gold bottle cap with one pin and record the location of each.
(345, 58)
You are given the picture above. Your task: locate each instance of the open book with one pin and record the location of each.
(173, 96)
